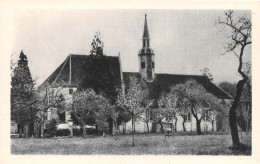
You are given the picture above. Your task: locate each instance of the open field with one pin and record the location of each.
(210, 144)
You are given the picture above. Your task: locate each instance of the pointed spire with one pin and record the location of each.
(146, 38)
(146, 33)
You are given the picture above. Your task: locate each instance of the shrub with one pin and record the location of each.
(78, 132)
(63, 132)
(48, 133)
(50, 129)
(91, 131)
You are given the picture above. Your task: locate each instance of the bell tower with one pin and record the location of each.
(146, 56)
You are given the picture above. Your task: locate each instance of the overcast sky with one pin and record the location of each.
(184, 41)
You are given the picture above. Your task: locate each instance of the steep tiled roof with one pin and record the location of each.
(71, 71)
(163, 82)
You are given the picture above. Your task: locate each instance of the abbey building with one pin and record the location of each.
(68, 76)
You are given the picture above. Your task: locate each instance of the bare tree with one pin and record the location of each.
(47, 103)
(37, 108)
(211, 117)
(199, 100)
(168, 107)
(161, 113)
(146, 110)
(182, 103)
(132, 100)
(239, 39)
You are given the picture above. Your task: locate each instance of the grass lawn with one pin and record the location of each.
(210, 144)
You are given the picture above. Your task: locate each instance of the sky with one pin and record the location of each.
(184, 41)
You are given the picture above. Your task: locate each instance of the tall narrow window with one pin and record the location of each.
(187, 117)
(61, 116)
(70, 91)
(206, 116)
(149, 67)
(151, 115)
(142, 64)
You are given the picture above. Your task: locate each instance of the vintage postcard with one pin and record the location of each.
(153, 83)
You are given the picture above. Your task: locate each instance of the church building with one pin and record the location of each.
(68, 76)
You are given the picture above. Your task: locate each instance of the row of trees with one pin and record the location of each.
(90, 104)
(190, 97)
(182, 99)
(27, 106)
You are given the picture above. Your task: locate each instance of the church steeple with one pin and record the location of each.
(146, 38)
(146, 56)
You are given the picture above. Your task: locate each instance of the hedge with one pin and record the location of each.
(63, 132)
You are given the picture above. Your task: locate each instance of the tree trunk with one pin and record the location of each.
(97, 129)
(183, 125)
(84, 130)
(212, 123)
(246, 127)
(161, 126)
(197, 120)
(110, 125)
(147, 127)
(175, 124)
(124, 128)
(20, 131)
(198, 127)
(232, 114)
(133, 129)
(160, 122)
(39, 130)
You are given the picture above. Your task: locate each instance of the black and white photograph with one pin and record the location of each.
(131, 82)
